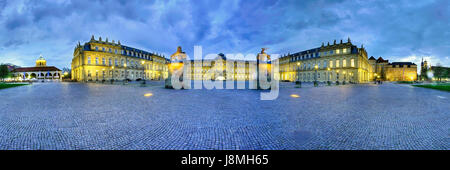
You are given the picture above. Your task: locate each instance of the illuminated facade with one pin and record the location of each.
(379, 67)
(401, 71)
(342, 62)
(102, 60)
(40, 71)
(219, 68)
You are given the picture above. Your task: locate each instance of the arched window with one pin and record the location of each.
(352, 62)
(103, 61)
(89, 60)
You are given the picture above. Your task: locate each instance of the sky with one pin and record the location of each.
(400, 30)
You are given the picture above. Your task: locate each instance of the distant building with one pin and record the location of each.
(40, 71)
(102, 60)
(401, 71)
(424, 68)
(342, 62)
(378, 67)
(219, 68)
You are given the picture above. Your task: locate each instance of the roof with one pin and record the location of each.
(381, 60)
(372, 58)
(30, 69)
(401, 63)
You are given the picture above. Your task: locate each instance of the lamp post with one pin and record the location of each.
(112, 79)
(329, 83)
(315, 75)
(126, 74)
(143, 71)
(298, 71)
(103, 75)
(345, 77)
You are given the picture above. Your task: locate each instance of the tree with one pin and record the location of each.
(439, 71)
(4, 72)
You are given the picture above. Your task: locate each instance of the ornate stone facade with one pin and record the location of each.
(103, 60)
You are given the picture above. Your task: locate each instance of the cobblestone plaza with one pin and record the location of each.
(97, 116)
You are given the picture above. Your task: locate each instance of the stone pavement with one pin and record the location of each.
(96, 116)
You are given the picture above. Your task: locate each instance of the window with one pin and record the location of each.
(331, 64)
(115, 51)
(116, 62)
(324, 64)
(318, 65)
(344, 50)
(103, 61)
(337, 63)
(89, 60)
(110, 50)
(110, 61)
(96, 60)
(352, 62)
(122, 63)
(344, 63)
(337, 51)
(331, 52)
(309, 66)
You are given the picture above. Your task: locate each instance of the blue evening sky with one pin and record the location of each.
(400, 30)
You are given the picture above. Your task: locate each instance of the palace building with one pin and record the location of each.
(338, 62)
(219, 68)
(395, 71)
(40, 71)
(401, 71)
(103, 60)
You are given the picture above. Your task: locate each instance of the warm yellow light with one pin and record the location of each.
(143, 62)
(328, 69)
(295, 96)
(298, 63)
(316, 67)
(112, 67)
(125, 65)
(375, 74)
(148, 94)
(66, 73)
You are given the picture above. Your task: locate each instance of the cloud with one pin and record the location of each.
(396, 30)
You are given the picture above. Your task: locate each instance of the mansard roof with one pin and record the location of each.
(33, 69)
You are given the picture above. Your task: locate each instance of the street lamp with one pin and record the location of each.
(345, 77)
(315, 75)
(126, 73)
(103, 75)
(143, 69)
(112, 69)
(329, 83)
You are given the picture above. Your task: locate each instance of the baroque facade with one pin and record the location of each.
(219, 68)
(338, 62)
(401, 71)
(103, 60)
(395, 71)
